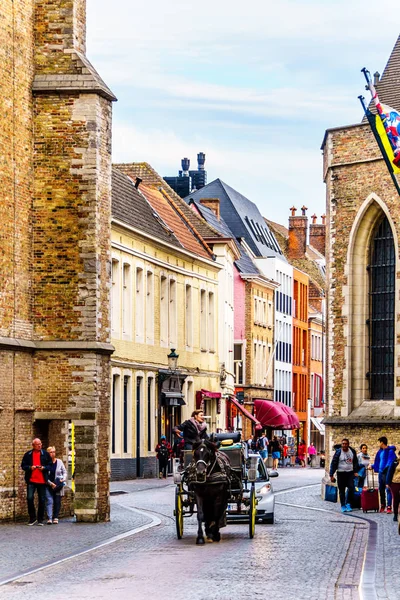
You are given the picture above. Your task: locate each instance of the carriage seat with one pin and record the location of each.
(235, 436)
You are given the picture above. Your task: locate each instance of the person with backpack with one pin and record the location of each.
(345, 465)
(164, 453)
(262, 446)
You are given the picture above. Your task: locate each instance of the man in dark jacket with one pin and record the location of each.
(35, 463)
(383, 459)
(345, 464)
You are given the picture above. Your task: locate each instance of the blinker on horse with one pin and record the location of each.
(209, 480)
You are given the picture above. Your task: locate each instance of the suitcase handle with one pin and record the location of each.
(373, 478)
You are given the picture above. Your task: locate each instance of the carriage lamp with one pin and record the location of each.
(172, 360)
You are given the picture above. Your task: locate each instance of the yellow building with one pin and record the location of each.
(164, 297)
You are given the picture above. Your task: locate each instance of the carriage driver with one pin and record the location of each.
(192, 430)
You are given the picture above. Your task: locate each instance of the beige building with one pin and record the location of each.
(164, 297)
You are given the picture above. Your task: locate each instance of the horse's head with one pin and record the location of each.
(204, 457)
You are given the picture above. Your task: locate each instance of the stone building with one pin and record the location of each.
(55, 176)
(363, 302)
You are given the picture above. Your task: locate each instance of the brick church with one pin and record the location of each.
(55, 177)
(363, 294)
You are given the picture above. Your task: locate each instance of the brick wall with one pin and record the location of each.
(55, 264)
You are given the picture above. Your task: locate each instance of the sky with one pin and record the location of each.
(252, 84)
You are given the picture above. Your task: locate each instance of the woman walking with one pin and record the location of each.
(55, 489)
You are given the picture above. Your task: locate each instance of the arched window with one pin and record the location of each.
(382, 277)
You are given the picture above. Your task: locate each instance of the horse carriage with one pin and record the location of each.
(215, 480)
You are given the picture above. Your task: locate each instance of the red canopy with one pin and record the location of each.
(275, 415)
(243, 410)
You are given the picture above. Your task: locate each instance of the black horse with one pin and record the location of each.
(209, 480)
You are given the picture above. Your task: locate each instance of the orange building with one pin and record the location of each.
(300, 349)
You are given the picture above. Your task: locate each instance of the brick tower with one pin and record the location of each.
(55, 146)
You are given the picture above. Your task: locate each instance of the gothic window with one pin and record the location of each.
(381, 322)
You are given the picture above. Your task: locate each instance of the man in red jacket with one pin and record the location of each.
(35, 463)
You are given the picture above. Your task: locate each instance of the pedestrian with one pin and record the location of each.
(55, 488)
(312, 453)
(164, 453)
(193, 430)
(35, 464)
(285, 453)
(301, 453)
(275, 448)
(393, 481)
(383, 459)
(345, 464)
(363, 461)
(262, 446)
(178, 446)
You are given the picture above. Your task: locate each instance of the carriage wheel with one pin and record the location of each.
(178, 512)
(252, 511)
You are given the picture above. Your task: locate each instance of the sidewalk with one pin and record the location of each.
(23, 548)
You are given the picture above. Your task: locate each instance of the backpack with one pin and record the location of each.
(260, 444)
(163, 452)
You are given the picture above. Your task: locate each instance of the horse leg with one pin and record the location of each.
(200, 517)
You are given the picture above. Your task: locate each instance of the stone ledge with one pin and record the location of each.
(35, 346)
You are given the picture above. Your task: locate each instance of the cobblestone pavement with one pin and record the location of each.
(309, 554)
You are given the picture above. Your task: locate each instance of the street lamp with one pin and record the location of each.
(173, 360)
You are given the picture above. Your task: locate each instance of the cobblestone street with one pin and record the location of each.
(313, 552)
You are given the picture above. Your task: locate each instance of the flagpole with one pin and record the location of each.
(369, 116)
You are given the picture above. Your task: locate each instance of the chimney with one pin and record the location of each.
(318, 234)
(212, 204)
(185, 167)
(377, 76)
(201, 159)
(297, 233)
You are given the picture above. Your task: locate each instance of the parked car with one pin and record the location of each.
(265, 496)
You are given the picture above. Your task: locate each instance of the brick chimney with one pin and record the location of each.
(318, 234)
(297, 233)
(212, 204)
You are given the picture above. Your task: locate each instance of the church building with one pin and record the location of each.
(363, 280)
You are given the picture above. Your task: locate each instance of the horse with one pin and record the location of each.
(210, 481)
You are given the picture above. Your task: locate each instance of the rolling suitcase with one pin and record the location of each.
(370, 496)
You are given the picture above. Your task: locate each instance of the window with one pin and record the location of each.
(381, 322)
(126, 413)
(238, 363)
(115, 298)
(149, 308)
(172, 316)
(203, 320)
(188, 316)
(211, 322)
(126, 301)
(150, 413)
(115, 396)
(163, 311)
(139, 325)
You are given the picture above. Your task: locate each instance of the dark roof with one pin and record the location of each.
(130, 207)
(218, 224)
(241, 216)
(388, 88)
(244, 264)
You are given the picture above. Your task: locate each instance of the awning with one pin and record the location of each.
(243, 410)
(318, 424)
(275, 415)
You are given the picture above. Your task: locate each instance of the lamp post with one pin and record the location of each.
(173, 360)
